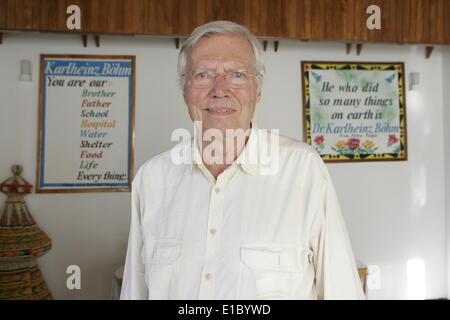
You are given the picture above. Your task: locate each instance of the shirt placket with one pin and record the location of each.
(215, 224)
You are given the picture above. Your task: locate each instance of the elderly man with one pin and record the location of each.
(232, 222)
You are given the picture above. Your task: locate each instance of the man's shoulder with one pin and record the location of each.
(297, 147)
(300, 156)
(173, 160)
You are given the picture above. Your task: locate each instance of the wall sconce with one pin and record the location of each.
(25, 70)
(414, 81)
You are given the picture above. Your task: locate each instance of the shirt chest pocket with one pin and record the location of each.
(277, 270)
(160, 257)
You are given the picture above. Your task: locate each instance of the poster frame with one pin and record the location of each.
(331, 158)
(40, 188)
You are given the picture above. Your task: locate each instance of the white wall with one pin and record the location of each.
(395, 211)
(446, 106)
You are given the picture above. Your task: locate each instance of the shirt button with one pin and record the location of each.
(212, 231)
(217, 190)
(207, 276)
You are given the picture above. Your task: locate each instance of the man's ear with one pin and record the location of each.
(258, 97)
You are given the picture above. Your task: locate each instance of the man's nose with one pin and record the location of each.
(220, 87)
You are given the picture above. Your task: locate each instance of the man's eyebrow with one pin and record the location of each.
(238, 69)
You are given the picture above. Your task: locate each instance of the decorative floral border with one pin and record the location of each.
(354, 149)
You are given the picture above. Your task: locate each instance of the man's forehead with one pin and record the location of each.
(226, 63)
(229, 49)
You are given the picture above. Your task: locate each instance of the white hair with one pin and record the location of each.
(221, 28)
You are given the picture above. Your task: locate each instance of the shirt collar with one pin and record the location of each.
(250, 157)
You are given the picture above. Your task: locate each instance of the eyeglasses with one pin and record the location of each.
(235, 79)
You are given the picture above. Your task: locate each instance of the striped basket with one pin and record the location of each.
(21, 242)
(22, 281)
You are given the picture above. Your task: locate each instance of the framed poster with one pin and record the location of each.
(355, 111)
(86, 123)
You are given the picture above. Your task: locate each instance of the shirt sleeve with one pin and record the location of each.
(336, 272)
(133, 283)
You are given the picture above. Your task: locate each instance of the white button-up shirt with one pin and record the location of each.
(254, 233)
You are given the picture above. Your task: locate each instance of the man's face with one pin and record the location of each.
(219, 105)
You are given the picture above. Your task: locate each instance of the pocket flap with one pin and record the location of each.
(161, 250)
(274, 257)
